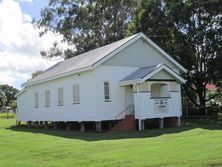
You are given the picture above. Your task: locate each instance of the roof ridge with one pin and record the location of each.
(81, 54)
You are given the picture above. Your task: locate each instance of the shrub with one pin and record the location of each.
(6, 116)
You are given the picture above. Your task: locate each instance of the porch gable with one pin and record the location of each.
(156, 72)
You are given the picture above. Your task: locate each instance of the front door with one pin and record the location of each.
(128, 96)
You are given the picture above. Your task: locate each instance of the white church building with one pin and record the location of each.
(124, 85)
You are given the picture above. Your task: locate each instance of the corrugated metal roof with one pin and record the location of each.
(140, 73)
(84, 60)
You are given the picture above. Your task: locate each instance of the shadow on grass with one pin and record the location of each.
(187, 124)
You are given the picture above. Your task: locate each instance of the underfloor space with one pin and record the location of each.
(155, 123)
(129, 123)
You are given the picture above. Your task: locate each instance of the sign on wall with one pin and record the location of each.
(161, 105)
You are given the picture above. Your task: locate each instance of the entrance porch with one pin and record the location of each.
(156, 95)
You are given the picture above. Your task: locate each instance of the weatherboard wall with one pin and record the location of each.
(139, 54)
(85, 111)
(112, 74)
(145, 105)
(163, 75)
(92, 105)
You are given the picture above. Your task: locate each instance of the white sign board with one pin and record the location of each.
(161, 105)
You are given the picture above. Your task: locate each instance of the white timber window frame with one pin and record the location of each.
(36, 96)
(107, 97)
(60, 97)
(76, 94)
(47, 98)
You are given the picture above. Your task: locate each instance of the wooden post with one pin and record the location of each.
(139, 121)
(161, 123)
(98, 126)
(143, 124)
(82, 127)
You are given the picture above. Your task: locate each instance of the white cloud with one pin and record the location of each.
(20, 44)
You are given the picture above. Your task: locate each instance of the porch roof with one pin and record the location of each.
(145, 73)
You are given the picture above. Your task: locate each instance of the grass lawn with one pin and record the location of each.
(197, 143)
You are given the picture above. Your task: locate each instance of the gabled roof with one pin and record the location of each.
(91, 59)
(145, 73)
(140, 73)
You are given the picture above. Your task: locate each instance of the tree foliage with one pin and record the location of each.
(13, 105)
(86, 24)
(9, 92)
(190, 31)
(34, 74)
(3, 99)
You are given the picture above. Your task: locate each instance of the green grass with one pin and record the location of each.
(197, 143)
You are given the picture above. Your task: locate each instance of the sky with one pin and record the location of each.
(20, 44)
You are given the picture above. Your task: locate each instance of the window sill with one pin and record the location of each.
(76, 103)
(107, 101)
(59, 104)
(36, 107)
(47, 106)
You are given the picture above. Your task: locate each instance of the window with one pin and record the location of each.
(76, 98)
(47, 98)
(107, 91)
(60, 96)
(160, 90)
(36, 99)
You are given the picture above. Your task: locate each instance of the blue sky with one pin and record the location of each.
(33, 8)
(20, 44)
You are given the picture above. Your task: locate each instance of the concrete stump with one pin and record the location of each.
(82, 127)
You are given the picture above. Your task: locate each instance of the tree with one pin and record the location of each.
(3, 99)
(191, 32)
(9, 92)
(13, 105)
(85, 24)
(34, 74)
